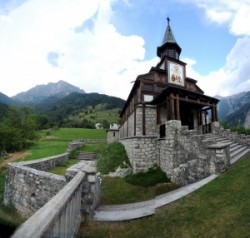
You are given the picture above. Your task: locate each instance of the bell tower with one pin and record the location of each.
(169, 45)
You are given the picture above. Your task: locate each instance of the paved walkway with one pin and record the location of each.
(147, 208)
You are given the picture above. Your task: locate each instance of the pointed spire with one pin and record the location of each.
(169, 35)
(169, 45)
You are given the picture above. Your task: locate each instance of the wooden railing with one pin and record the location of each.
(60, 217)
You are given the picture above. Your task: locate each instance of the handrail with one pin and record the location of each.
(61, 214)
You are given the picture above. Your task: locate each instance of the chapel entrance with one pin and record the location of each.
(187, 115)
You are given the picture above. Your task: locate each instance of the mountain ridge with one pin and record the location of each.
(235, 109)
(39, 93)
(62, 99)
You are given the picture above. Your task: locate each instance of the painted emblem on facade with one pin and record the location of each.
(175, 74)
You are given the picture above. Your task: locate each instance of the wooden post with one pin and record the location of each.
(134, 121)
(177, 108)
(213, 113)
(172, 107)
(216, 113)
(143, 120)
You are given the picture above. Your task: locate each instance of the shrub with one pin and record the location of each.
(111, 157)
(150, 178)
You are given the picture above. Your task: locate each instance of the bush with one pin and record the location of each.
(111, 157)
(150, 178)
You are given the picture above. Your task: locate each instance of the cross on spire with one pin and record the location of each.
(168, 19)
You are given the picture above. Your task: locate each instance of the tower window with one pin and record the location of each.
(148, 87)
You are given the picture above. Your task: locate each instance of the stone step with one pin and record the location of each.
(86, 156)
(235, 147)
(238, 151)
(239, 156)
(234, 144)
(221, 139)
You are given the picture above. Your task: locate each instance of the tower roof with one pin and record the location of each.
(169, 45)
(169, 35)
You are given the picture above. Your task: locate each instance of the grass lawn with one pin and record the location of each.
(60, 168)
(118, 191)
(52, 142)
(219, 209)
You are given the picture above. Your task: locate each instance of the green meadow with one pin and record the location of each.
(219, 209)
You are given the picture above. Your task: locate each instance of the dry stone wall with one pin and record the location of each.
(141, 151)
(28, 186)
(28, 189)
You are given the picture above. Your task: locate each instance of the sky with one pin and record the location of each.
(103, 45)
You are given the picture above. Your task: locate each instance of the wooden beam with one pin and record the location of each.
(177, 109)
(172, 107)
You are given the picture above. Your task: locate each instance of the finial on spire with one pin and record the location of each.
(168, 19)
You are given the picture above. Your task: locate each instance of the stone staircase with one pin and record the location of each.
(147, 208)
(237, 150)
(86, 156)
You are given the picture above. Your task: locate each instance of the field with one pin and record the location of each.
(219, 209)
(98, 114)
(52, 142)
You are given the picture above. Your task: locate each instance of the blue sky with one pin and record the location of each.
(102, 45)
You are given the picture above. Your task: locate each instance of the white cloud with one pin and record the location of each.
(234, 76)
(235, 13)
(96, 58)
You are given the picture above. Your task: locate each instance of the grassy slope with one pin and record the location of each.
(51, 143)
(98, 114)
(219, 209)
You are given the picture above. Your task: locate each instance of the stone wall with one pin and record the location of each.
(134, 125)
(150, 120)
(141, 151)
(112, 135)
(28, 189)
(28, 186)
(186, 157)
(183, 154)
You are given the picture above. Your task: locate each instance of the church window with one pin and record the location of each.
(148, 87)
(148, 98)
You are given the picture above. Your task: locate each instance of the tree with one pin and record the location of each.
(105, 124)
(17, 129)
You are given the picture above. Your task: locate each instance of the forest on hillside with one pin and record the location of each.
(18, 128)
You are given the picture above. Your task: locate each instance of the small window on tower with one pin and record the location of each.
(148, 87)
(148, 98)
(171, 53)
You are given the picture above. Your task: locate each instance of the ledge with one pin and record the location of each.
(140, 137)
(218, 146)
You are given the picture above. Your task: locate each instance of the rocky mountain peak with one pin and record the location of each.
(41, 92)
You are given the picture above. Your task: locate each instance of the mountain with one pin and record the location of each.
(6, 100)
(40, 93)
(235, 109)
(74, 104)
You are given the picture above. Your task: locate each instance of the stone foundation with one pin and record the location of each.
(183, 154)
(141, 151)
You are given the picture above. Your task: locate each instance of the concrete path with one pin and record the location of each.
(146, 208)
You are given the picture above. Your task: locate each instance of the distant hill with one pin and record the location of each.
(4, 108)
(73, 106)
(235, 109)
(40, 93)
(6, 100)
